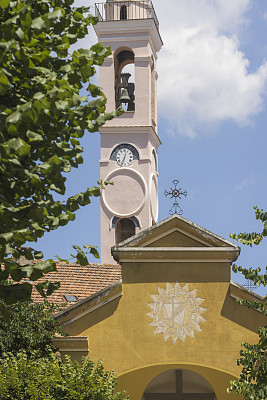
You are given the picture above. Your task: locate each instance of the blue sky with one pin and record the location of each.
(212, 110)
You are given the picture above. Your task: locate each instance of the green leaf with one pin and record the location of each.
(38, 23)
(94, 252)
(55, 160)
(82, 259)
(14, 293)
(38, 255)
(33, 136)
(18, 146)
(52, 287)
(4, 3)
(37, 270)
(14, 118)
(56, 14)
(4, 83)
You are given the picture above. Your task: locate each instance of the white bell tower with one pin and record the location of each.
(130, 142)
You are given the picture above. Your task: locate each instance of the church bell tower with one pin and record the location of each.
(129, 143)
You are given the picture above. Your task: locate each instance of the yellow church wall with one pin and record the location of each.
(176, 237)
(120, 334)
(218, 379)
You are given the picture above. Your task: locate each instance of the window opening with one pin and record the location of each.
(155, 160)
(70, 298)
(124, 80)
(123, 12)
(124, 229)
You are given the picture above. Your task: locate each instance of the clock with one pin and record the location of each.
(118, 154)
(124, 157)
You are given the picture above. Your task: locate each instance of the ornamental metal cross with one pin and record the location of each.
(180, 394)
(176, 194)
(250, 285)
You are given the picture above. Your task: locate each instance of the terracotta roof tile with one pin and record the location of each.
(80, 281)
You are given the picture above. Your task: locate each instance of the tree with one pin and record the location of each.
(42, 119)
(31, 328)
(27, 378)
(252, 382)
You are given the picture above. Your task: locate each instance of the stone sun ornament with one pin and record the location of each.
(176, 312)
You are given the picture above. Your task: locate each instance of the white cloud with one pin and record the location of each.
(203, 75)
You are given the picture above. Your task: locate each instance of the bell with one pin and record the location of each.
(124, 96)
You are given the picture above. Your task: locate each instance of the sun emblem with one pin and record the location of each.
(176, 312)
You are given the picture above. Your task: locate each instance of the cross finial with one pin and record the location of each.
(176, 194)
(250, 285)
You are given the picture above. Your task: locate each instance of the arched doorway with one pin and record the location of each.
(179, 384)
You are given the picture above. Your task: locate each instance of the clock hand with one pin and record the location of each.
(124, 156)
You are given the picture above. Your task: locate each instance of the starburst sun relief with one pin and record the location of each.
(176, 312)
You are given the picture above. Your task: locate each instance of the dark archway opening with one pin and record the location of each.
(124, 80)
(123, 12)
(179, 384)
(124, 229)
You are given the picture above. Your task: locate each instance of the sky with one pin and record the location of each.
(212, 120)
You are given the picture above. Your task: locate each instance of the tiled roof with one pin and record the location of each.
(80, 281)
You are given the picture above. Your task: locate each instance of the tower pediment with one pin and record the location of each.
(176, 239)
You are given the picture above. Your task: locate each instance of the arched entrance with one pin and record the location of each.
(162, 379)
(179, 384)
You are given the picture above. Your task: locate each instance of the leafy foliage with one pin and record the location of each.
(26, 378)
(252, 382)
(42, 119)
(31, 328)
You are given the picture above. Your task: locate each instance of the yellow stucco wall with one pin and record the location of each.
(120, 334)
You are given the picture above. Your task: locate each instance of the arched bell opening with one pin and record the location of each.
(155, 160)
(153, 90)
(123, 12)
(124, 80)
(179, 384)
(124, 229)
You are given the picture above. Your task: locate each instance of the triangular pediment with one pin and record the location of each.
(176, 231)
(176, 234)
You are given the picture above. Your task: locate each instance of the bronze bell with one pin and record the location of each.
(125, 98)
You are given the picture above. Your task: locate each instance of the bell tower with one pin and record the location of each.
(129, 143)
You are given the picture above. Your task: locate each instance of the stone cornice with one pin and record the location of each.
(175, 254)
(91, 303)
(130, 130)
(120, 29)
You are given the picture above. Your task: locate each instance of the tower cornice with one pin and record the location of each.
(131, 130)
(126, 30)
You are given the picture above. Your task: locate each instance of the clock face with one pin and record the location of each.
(124, 157)
(120, 149)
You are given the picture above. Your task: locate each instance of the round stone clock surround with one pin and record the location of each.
(128, 194)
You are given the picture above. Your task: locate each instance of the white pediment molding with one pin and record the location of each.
(212, 248)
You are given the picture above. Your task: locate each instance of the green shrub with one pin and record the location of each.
(30, 378)
(31, 327)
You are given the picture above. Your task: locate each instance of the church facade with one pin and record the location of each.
(163, 311)
(170, 327)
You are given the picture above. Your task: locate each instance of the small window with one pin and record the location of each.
(70, 298)
(123, 13)
(124, 229)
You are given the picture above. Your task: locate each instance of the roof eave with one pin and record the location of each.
(176, 254)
